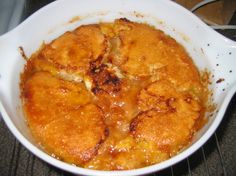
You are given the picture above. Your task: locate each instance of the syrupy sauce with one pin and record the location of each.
(135, 101)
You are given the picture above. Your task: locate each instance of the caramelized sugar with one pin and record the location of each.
(113, 96)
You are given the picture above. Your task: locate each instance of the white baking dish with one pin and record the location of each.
(208, 49)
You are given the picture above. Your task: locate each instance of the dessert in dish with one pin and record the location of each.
(113, 96)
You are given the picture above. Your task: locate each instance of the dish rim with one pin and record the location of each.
(145, 170)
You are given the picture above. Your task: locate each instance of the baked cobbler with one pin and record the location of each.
(113, 96)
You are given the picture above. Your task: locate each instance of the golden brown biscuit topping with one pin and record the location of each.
(112, 96)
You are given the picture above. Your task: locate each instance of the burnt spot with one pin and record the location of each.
(124, 20)
(220, 80)
(106, 132)
(22, 52)
(112, 80)
(96, 90)
(136, 120)
(103, 78)
(94, 66)
(133, 125)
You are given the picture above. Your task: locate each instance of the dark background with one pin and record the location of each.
(217, 157)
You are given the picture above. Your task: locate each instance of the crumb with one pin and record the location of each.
(220, 80)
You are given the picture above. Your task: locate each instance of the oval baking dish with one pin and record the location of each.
(209, 50)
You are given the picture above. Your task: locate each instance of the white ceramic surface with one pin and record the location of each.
(208, 49)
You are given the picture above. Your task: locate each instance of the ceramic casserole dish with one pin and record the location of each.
(209, 50)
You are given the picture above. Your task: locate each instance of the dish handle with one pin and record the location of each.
(3, 60)
(229, 63)
(225, 64)
(9, 55)
(4, 48)
(232, 63)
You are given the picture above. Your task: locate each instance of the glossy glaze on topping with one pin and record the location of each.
(113, 96)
